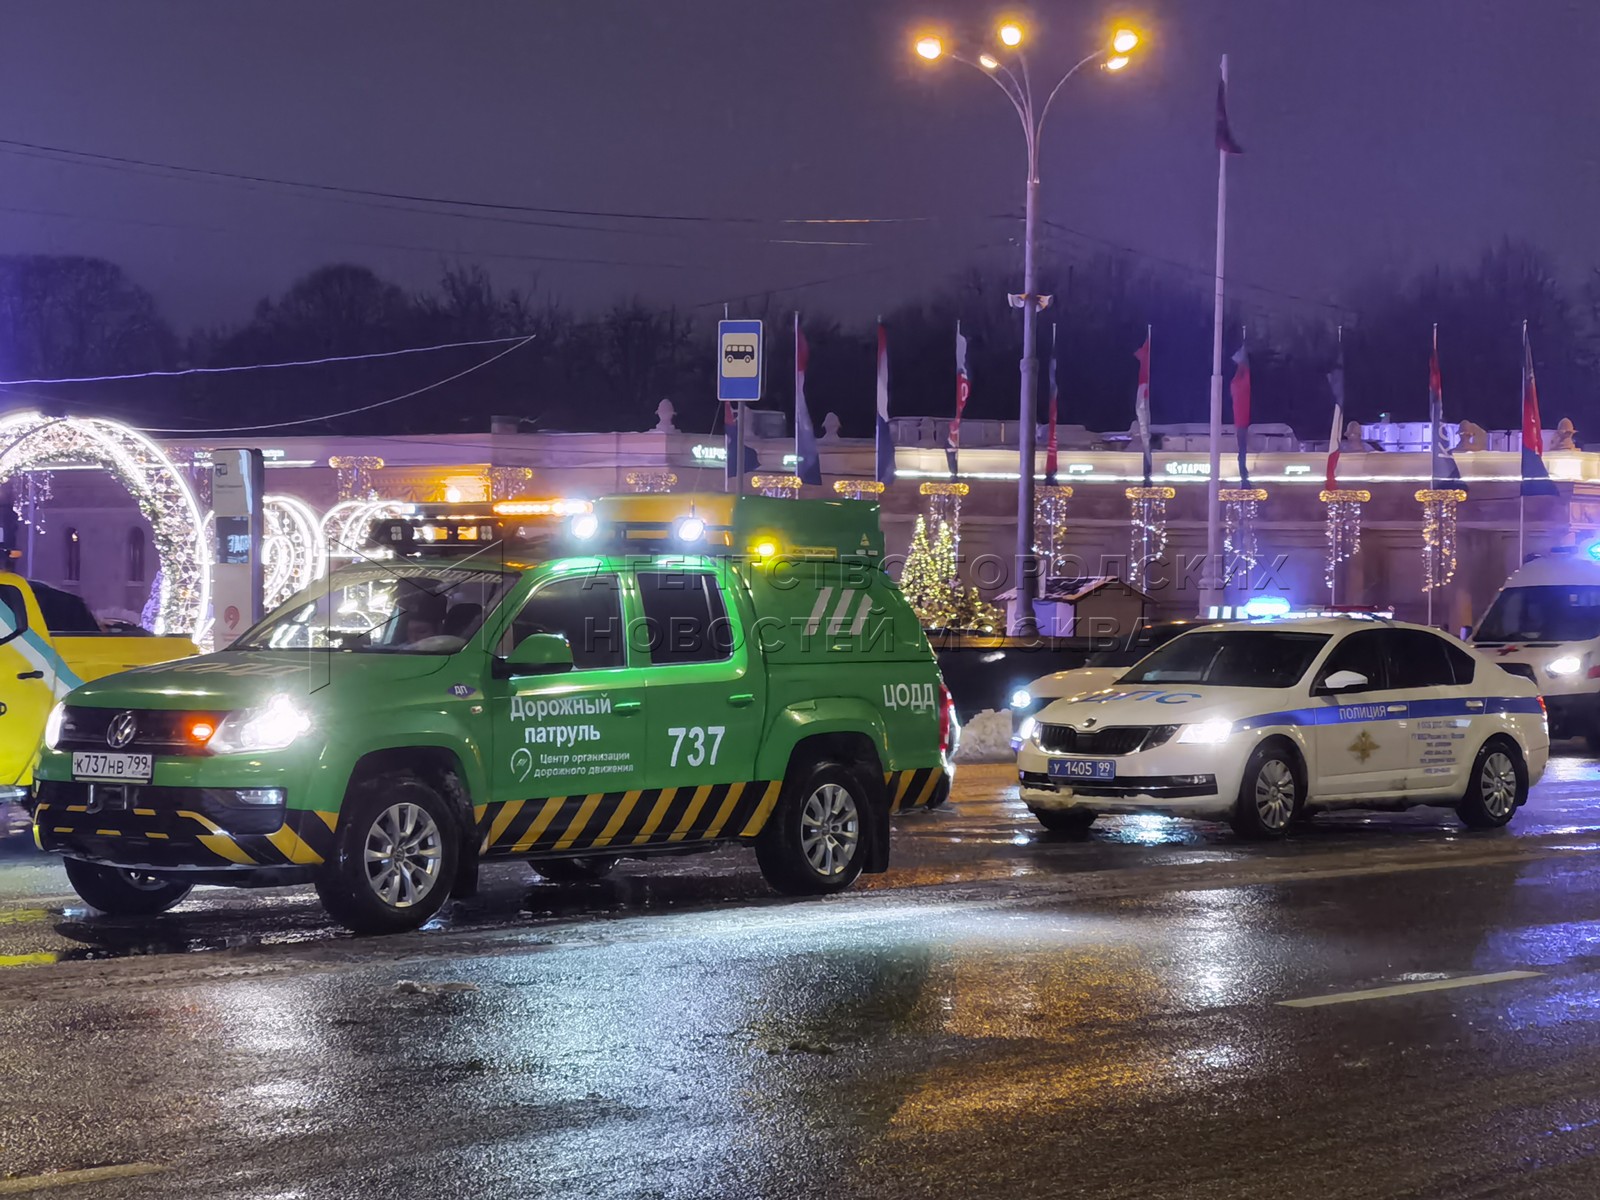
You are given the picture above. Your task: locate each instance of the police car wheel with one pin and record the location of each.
(815, 842)
(394, 858)
(1072, 822)
(1497, 786)
(575, 870)
(118, 892)
(1269, 795)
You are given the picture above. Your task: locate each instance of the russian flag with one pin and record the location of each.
(1535, 479)
(1240, 389)
(1336, 384)
(809, 464)
(952, 445)
(885, 434)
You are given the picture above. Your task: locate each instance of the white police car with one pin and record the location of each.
(1264, 722)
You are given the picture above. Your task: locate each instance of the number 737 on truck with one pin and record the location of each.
(563, 682)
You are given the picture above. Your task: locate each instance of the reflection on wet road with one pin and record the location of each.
(1006, 1012)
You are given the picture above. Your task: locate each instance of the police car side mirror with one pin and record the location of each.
(540, 654)
(1344, 681)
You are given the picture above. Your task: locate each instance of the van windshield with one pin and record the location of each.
(1549, 613)
(1255, 658)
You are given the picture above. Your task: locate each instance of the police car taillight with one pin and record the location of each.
(947, 713)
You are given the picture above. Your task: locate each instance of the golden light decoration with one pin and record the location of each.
(507, 483)
(355, 475)
(651, 481)
(31, 441)
(858, 489)
(1050, 527)
(1343, 529)
(1149, 516)
(1439, 535)
(781, 487)
(944, 505)
(1240, 547)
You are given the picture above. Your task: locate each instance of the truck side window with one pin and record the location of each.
(685, 617)
(586, 609)
(15, 614)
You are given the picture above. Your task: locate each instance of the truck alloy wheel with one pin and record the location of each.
(403, 854)
(830, 829)
(394, 855)
(815, 842)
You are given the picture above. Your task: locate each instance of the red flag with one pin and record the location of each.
(1240, 389)
(952, 445)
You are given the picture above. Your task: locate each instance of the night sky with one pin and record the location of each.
(1381, 134)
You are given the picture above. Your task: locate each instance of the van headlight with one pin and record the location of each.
(1567, 664)
(1206, 733)
(52, 727)
(1021, 698)
(270, 726)
(1027, 730)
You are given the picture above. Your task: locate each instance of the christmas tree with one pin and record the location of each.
(931, 585)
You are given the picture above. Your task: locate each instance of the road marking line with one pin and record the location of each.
(1407, 989)
(55, 1179)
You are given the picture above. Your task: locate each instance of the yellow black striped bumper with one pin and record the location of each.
(180, 838)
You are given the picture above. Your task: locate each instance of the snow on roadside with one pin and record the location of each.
(986, 738)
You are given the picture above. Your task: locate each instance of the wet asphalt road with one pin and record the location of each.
(1004, 1014)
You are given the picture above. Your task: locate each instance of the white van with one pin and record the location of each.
(1545, 625)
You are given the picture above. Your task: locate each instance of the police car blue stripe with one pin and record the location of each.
(1397, 710)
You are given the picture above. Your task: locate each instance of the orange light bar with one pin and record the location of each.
(542, 508)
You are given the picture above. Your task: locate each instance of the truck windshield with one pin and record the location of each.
(1254, 658)
(391, 608)
(1550, 613)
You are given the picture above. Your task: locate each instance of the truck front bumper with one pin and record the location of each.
(173, 828)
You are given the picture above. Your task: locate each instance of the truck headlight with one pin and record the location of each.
(1206, 733)
(1567, 664)
(270, 726)
(52, 727)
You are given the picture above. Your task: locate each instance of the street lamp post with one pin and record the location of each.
(1018, 87)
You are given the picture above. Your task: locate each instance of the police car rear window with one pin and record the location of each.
(1259, 658)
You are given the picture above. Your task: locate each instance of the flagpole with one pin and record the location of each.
(1210, 580)
(1522, 484)
(1144, 532)
(1333, 569)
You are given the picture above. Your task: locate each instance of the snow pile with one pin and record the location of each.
(986, 738)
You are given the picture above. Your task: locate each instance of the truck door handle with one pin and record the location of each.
(30, 675)
(626, 707)
(742, 699)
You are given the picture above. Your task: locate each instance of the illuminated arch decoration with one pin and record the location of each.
(31, 441)
(293, 554)
(344, 527)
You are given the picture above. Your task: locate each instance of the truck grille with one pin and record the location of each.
(1113, 740)
(157, 731)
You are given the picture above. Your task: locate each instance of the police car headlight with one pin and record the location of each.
(1021, 698)
(1567, 664)
(271, 726)
(1206, 733)
(1026, 731)
(52, 727)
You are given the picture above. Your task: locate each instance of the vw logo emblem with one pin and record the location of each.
(121, 731)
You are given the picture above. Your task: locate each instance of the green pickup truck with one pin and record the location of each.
(557, 681)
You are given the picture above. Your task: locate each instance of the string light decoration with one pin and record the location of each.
(508, 483)
(1439, 535)
(651, 481)
(1240, 548)
(780, 487)
(30, 441)
(858, 489)
(293, 554)
(931, 584)
(1343, 529)
(944, 505)
(1149, 530)
(355, 475)
(1050, 527)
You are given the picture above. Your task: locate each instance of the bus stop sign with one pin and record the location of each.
(739, 361)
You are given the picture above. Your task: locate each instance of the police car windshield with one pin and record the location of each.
(388, 608)
(1551, 613)
(1251, 658)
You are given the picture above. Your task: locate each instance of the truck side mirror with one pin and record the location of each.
(540, 654)
(1344, 681)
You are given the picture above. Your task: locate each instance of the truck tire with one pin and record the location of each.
(815, 843)
(118, 892)
(394, 856)
(1497, 786)
(574, 870)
